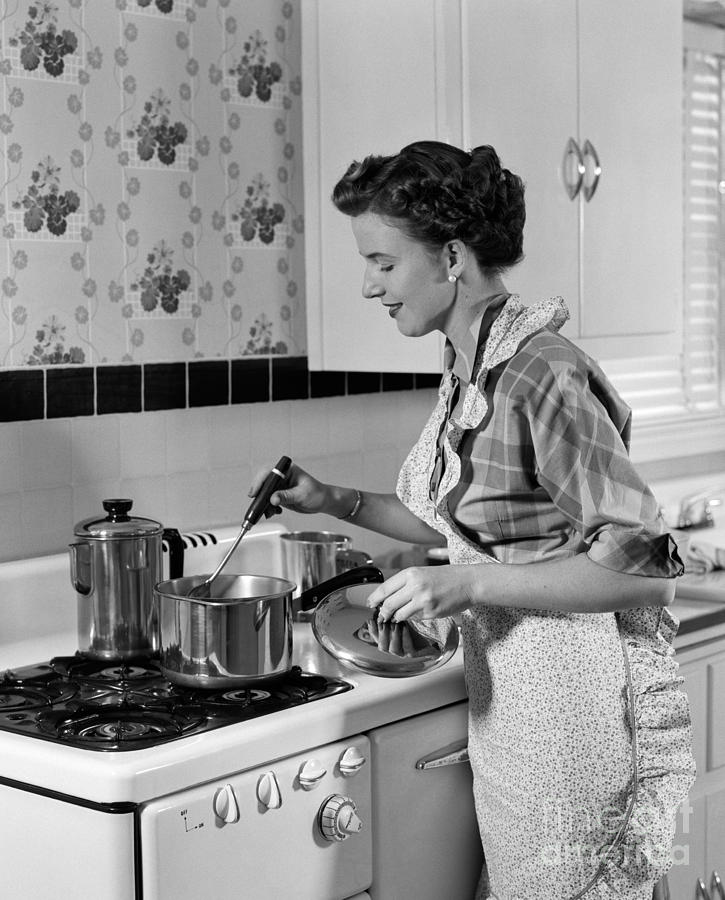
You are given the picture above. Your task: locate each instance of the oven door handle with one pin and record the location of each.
(449, 755)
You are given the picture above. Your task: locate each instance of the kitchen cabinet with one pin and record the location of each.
(605, 80)
(525, 76)
(699, 846)
(375, 78)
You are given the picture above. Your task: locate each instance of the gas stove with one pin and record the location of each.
(121, 705)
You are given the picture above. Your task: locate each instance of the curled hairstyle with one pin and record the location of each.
(436, 193)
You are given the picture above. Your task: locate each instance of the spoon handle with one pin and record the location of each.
(276, 477)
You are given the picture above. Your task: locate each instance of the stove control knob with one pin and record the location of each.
(351, 761)
(225, 804)
(311, 774)
(268, 792)
(338, 818)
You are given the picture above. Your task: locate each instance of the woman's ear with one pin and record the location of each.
(455, 252)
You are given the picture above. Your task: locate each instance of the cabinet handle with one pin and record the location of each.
(446, 756)
(589, 189)
(716, 886)
(572, 149)
(701, 892)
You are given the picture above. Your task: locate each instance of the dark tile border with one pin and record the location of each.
(251, 380)
(164, 386)
(22, 395)
(209, 383)
(118, 389)
(56, 391)
(69, 392)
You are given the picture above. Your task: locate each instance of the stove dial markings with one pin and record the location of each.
(337, 818)
(225, 804)
(351, 761)
(268, 792)
(311, 774)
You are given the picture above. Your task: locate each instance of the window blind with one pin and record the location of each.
(704, 130)
(692, 382)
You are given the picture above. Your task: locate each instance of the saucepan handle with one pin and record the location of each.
(359, 575)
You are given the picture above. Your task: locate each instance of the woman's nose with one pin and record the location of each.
(371, 288)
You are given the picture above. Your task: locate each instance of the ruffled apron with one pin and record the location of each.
(579, 728)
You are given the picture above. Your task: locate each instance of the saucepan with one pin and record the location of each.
(243, 634)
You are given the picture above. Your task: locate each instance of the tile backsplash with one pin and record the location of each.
(191, 468)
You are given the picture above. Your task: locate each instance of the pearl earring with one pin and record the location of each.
(453, 279)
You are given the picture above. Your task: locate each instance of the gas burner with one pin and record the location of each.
(237, 698)
(245, 696)
(20, 697)
(32, 693)
(113, 671)
(125, 724)
(124, 672)
(129, 705)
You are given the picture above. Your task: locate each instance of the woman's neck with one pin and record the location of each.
(472, 301)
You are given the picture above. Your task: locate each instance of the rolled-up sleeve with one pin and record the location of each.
(578, 428)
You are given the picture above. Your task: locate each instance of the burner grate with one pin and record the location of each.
(128, 704)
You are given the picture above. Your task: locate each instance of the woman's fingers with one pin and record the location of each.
(396, 598)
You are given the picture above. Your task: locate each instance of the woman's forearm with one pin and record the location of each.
(572, 585)
(382, 513)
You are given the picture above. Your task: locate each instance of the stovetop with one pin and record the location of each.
(116, 705)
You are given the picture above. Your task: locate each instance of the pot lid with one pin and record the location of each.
(117, 523)
(348, 629)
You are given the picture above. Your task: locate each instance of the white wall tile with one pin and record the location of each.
(309, 422)
(46, 454)
(96, 449)
(12, 535)
(143, 445)
(187, 500)
(10, 457)
(47, 520)
(230, 435)
(187, 440)
(270, 433)
(345, 424)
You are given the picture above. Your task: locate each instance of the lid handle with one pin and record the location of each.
(359, 575)
(118, 509)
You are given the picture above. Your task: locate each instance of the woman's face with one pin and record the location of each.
(410, 282)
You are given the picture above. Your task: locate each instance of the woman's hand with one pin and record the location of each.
(426, 592)
(301, 492)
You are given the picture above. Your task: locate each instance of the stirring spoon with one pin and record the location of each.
(276, 477)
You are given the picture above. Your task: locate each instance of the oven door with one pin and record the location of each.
(258, 834)
(426, 843)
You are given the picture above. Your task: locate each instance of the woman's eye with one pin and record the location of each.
(386, 268)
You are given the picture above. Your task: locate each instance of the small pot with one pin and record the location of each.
(240, 636)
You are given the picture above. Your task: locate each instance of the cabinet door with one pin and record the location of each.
(539, 72)
(715, 849)
(630, 102)
(688, 851)
(520, 96)
(426, 843)
(375, 78)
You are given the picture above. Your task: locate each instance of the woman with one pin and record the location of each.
(561, 567)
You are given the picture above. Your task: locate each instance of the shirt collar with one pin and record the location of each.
(461, 360)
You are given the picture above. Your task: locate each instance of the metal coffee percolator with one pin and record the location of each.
(115, 563)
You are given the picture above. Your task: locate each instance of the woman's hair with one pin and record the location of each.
(435, 193)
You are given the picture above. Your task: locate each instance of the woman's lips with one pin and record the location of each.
(393, 308)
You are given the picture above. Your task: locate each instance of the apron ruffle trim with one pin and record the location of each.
(663, 767)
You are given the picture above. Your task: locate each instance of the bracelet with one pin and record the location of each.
(355, 508)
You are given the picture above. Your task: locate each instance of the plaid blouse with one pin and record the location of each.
(542, 439)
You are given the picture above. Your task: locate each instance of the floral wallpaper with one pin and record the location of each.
(151, 181)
